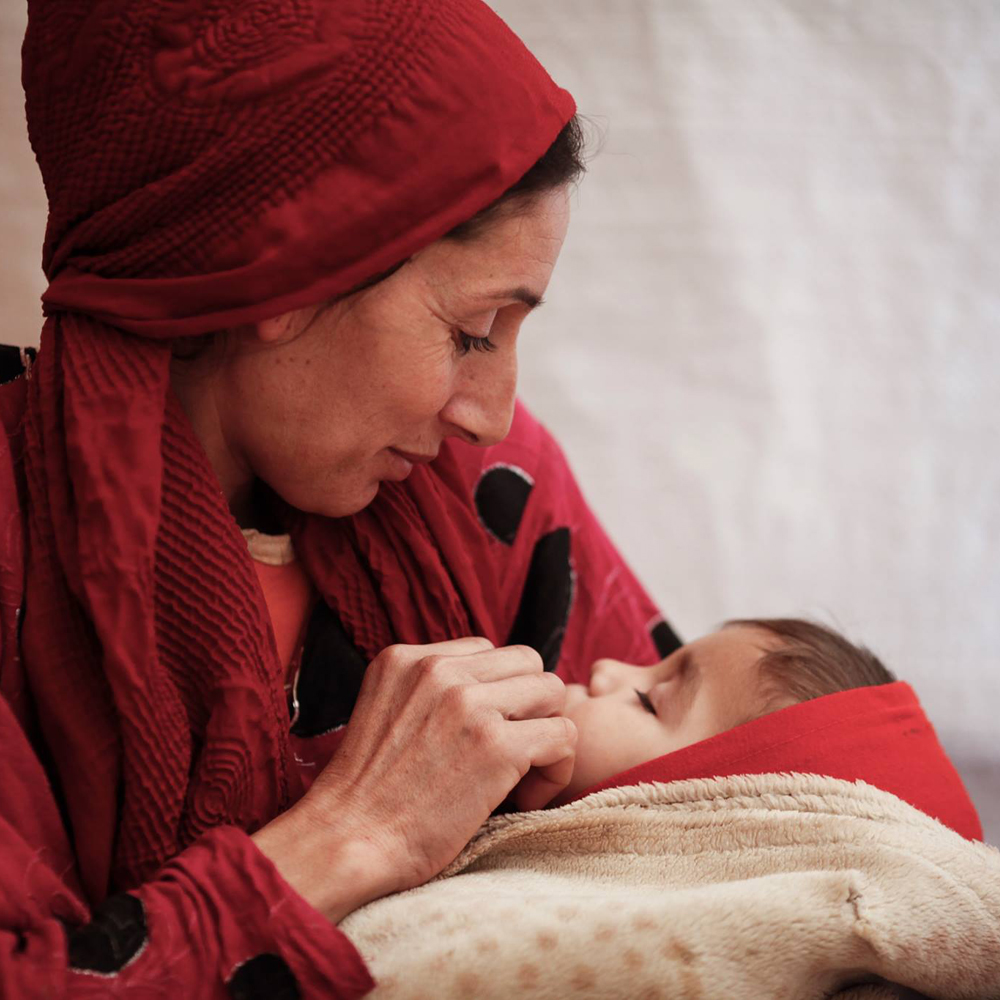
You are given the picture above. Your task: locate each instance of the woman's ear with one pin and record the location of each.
(284, 328)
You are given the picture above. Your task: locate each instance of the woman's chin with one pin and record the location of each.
(339, 503)
(354, 504)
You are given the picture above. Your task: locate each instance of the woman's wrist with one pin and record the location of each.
(332, 871)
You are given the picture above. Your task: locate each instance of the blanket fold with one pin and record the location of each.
(751, 886)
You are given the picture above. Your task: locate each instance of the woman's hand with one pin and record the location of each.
(439, 736)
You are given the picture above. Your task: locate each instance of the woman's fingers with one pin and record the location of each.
(505, 661)
(487, 664)
(527, 696)
(406, 654)
(552, 745)
(439, 736)
(472, 658)
(401, 668)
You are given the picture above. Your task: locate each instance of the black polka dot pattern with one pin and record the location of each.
(501, 496)
(547, 598)
(330, 675)
(265, 977)
(14, 361)
(114, 936)
(664, 637)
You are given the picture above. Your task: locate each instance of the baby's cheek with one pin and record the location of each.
(610, 739)
(589, 747)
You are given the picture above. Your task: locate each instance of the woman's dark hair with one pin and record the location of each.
(563, 163)
(813, 660)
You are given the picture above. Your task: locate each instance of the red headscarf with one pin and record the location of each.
(210, 164)
(879, 735)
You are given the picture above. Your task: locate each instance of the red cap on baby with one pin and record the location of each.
(879, 735)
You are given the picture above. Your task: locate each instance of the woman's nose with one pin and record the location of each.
(482, 407)
(609, 676)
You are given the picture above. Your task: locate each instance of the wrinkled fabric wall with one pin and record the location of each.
(772, 348)
(772, 345)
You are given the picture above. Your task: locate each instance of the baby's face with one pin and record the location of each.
(702, 689)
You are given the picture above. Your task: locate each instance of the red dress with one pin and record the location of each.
(496, 542)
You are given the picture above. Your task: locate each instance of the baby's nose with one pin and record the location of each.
(608, 676)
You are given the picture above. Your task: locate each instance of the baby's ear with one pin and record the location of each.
(286, 327)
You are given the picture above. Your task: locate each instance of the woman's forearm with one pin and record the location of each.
(333, 870)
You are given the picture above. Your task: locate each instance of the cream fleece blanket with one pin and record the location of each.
(743, 888)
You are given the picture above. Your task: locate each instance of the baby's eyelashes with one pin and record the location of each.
(644, 701)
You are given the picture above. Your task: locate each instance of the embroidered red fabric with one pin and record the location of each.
(879, 735)
(213, 163)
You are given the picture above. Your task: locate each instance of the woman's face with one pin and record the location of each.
(323, 404)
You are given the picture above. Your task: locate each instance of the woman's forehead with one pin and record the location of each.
(525, 227)
(509, 261)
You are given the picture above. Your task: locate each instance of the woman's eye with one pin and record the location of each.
(644, 701)
(467, 342)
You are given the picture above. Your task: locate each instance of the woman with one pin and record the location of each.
(290, 247)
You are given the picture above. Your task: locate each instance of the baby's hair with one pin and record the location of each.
(813, 660)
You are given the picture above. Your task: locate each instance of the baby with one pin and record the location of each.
(795, 830)
(629, 715)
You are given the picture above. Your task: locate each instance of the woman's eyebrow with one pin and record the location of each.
(520, 294)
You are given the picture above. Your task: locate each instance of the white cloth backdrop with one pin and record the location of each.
(772, 346)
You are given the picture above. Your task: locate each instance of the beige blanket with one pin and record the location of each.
(760, 886)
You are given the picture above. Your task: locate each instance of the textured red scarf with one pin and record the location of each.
(209, 164)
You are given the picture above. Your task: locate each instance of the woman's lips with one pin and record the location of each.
(400, 467)
(403, 462)
(414, 458)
